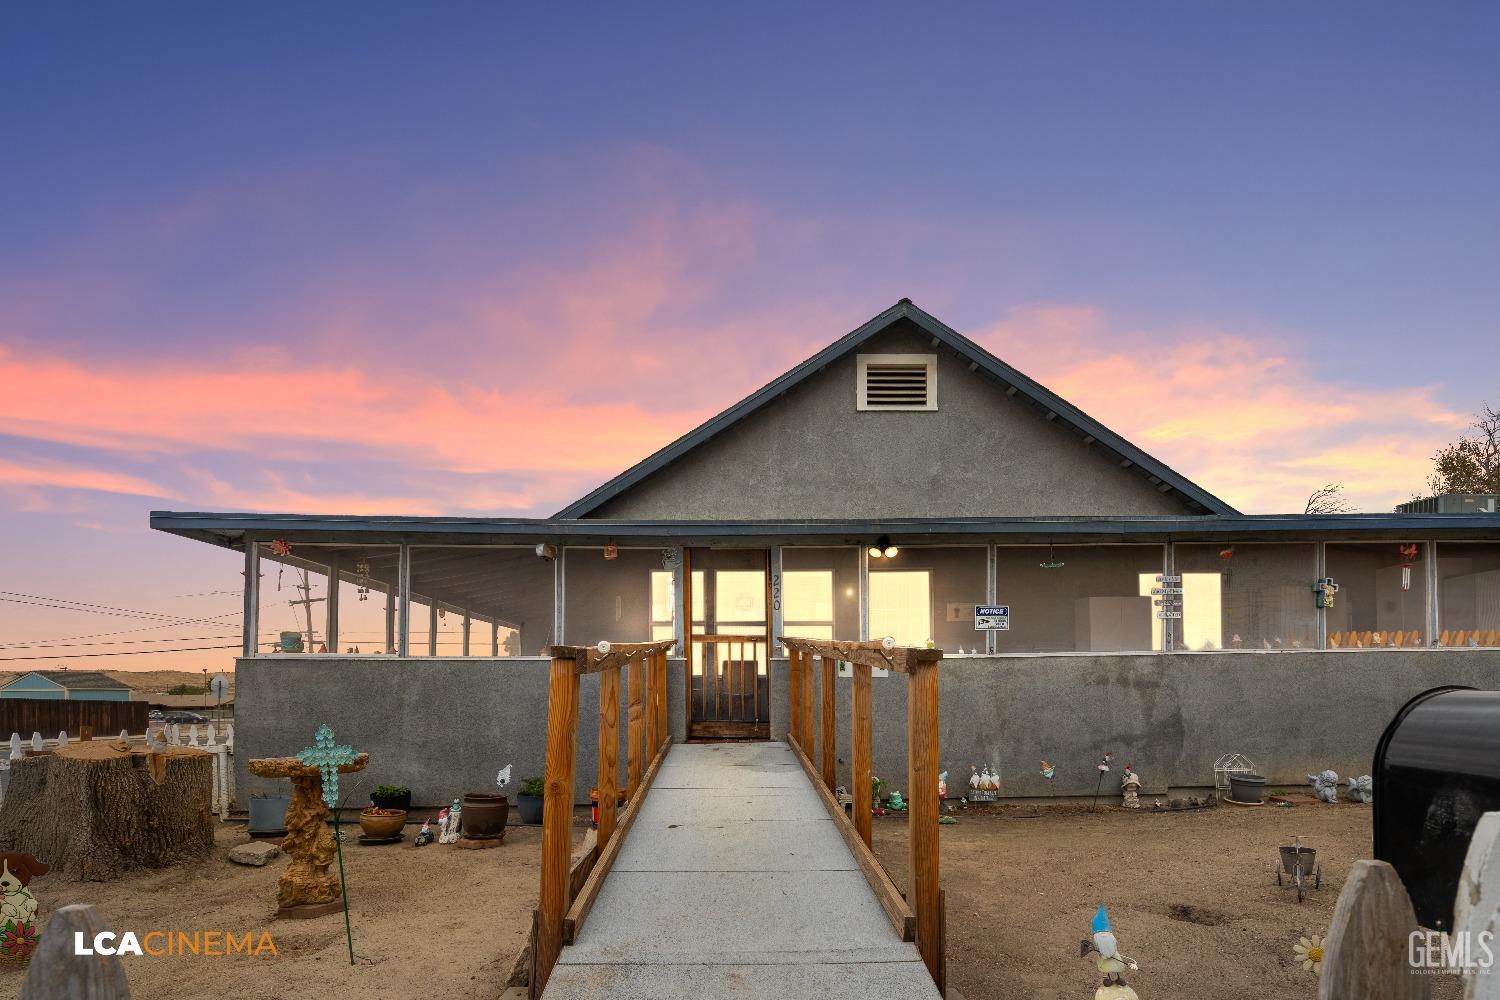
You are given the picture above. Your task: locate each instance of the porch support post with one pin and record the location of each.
(250, 624)
(390, 621)
(1168, 625)
(403, 602)
(467, 623)
(991, 593)
(1320, 570)
(494, 638)
(1434, 609)
(432, 626)
(331, 625)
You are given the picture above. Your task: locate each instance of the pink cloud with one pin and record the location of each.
(1246, 416)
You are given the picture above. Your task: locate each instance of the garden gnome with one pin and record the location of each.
(1110, 963)
(1130, 785)
(424, 835)
(973, 778)
(450, 824)
(1325, 786)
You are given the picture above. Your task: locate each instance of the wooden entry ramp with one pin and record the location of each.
(733, 879)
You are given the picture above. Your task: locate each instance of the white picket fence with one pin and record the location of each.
(217, 739)
(1370, 947)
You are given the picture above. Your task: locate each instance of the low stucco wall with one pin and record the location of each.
(445, 726)
(442, 726)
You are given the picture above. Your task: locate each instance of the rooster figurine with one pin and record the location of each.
(1110, 963)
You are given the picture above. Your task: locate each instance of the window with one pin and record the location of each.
(897, 382)
(807, 600)
(1382, 595)
(1468, 594)
(901, 605)
(1078, 598)
(1247, 596)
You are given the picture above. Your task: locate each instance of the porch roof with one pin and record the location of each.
(232, 529)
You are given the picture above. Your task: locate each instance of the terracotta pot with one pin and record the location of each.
(484, 815)
(376, 827)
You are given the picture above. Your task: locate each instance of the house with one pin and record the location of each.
(902, 482)
(66, 685)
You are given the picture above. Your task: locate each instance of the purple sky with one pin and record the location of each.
(370, 258)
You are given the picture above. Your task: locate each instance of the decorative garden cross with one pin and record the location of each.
(328, 756)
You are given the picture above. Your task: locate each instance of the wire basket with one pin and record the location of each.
(1227, 765)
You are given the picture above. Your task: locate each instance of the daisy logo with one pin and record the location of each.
(1308, 953)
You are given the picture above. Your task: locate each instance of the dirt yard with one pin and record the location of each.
(433, 921)
(1191, 897)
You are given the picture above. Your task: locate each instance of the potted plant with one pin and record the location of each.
(380, 824)
(529, 800)
(392, 797)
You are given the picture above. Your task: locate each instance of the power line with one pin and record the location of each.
(126, 631)
(86, 605)
(128, 652)
(118, 642)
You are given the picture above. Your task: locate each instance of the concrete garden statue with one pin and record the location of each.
(1325, 786)
(1130, 786)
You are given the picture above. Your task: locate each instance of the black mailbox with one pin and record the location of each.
(1437, 770)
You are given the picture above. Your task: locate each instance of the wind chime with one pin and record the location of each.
(1052, 561)
(1408, 556)
(362, 572)
(280, 547)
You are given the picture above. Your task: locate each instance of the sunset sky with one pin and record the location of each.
(474, 259)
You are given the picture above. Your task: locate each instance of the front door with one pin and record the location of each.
(728, 669)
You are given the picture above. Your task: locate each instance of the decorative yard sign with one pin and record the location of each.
(1168, 596)
(994, 618)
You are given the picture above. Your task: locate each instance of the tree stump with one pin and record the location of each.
(306, 889)
(96, 810)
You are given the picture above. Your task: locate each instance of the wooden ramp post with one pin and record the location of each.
(557, 815)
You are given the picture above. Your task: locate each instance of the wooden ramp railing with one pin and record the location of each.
(571, 880)
(918, 915)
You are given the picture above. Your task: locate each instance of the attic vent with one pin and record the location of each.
(897, 382)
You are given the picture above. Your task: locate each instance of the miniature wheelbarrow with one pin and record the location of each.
(1297, 868)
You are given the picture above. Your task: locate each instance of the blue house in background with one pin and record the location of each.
(66, 685)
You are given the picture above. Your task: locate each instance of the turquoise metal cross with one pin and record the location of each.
(327, 756)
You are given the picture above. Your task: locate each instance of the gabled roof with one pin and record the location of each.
(76, 680)
(1048, 404)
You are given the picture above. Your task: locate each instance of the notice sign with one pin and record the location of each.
(992, 619)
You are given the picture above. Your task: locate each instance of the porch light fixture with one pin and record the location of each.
(1052, 561)
(883, 549)
(611, 551)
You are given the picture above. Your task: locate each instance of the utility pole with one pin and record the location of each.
(307, 601)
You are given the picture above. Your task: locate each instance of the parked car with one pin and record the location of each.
(155, 715)
(184, 718)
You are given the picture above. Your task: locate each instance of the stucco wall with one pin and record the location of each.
(812, 454)
(445, 726)
(1291, 713)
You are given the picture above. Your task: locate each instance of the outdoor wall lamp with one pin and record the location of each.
(883, 548)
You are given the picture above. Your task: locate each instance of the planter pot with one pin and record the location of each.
(378, 827)
(402, 801)
(1246, 787)
(484, 815)
(531, 809)
(268, 814)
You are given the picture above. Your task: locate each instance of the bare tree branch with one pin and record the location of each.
(1328, 499)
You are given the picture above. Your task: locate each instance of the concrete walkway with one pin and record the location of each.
(733, 882)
